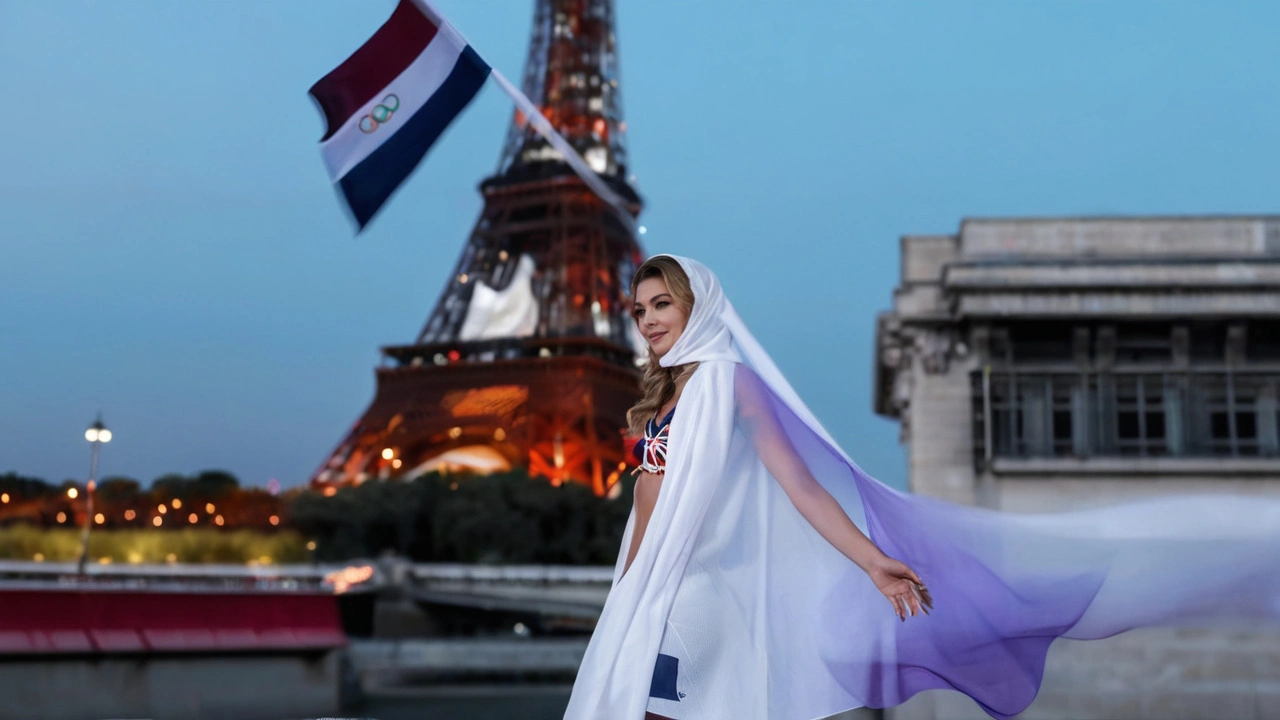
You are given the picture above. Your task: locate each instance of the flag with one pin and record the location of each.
(388, 103)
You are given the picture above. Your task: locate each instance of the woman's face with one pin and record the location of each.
(658, 316)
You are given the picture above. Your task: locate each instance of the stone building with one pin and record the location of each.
(1054, 364)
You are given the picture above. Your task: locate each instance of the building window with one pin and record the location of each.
(1192, 413)
(1129, 390)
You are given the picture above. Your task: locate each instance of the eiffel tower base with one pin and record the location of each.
(558, 416)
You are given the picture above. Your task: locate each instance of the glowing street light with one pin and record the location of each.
(97, 434)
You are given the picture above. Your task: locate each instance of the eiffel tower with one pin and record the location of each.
(529, 358)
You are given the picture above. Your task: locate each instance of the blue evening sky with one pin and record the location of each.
(172, 254)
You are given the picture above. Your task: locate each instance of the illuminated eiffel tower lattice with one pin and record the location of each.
(528, 359)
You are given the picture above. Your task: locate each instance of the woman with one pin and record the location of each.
(663, 302)
(745, 589)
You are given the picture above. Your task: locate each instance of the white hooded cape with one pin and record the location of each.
(793, 630)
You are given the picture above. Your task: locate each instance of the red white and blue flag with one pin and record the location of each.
(389, 102)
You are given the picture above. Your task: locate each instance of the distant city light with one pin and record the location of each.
(4, 497)
(99, 518)
(157, 520)
(171, 558)
(38, 557)
(72, 493)
(388, 453)
(177, 504)
(217, 520)
(311, 544)
(455, 432)
(192, 518)
(330, 491)
(343, 579)
(104, 560)
(396, 463)
(130, 514)
(62, 517)
(162, 509)
(208, 508)
(274, 519)
(499, 434)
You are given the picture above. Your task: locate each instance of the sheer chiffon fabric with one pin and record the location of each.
(785, 627)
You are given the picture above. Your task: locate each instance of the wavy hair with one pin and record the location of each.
(659, 383)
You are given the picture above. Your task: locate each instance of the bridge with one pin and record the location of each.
(568, 591)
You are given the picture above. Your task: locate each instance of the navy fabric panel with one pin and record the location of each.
(665, 421)
(663, 686)
(368, 185)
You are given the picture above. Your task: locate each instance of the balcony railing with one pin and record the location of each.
(1126, 413)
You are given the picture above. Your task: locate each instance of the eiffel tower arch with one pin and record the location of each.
(529, 357)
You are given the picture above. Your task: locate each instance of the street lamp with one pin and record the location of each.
(97, 434)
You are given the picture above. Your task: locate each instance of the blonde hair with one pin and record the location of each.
(659, 383)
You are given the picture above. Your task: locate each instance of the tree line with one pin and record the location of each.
(500, 518)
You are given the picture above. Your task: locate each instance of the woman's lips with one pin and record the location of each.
(656, 336)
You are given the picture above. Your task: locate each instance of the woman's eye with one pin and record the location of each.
(661, 304)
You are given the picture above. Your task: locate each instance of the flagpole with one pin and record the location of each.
(575, 161)
(534, 116)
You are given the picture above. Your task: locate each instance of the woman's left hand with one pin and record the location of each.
(901, 586)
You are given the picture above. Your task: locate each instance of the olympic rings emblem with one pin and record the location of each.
(380, 113)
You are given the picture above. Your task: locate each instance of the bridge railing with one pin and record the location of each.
(168, 576)
(379, 573)
(512, 574)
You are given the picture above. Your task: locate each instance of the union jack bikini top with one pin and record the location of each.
(651, 450)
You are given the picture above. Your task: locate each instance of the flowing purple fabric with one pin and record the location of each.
(1006, 586)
